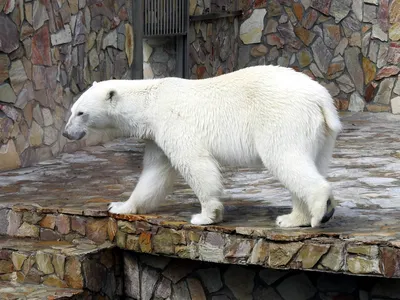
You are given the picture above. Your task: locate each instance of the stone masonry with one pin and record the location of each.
(213, 44)
(156, 277)
(50, 52)
(351, 47)
(159, 58)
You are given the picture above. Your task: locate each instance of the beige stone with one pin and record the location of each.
(28, 230)
(310, 254)
(54, 281)
(35, 135)
(281, 254)
(7, 94)
(259, 50)
(17, 75)
(147, 71)
(395, 104)
(371, 251)
(9, 158)
(394, 32)
(362, 265)
(59, 263)
(192, 6)
(251, 29)
(73, 274)
(18, 260)
(147, 51)
(43, 261)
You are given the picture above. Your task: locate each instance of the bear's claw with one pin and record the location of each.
(330, 212)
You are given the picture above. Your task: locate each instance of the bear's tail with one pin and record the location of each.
(331, 117)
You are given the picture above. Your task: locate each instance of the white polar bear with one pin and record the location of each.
(266, 115)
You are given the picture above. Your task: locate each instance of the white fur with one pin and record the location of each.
(259, 115)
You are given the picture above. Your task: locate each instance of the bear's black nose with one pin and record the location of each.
(65, 134)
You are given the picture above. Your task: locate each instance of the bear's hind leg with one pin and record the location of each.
(299, 217)
(299, 174)
(154, 184)
(322, 162)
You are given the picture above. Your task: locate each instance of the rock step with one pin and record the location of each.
(24, 221)
(11, 291)
(79, 264)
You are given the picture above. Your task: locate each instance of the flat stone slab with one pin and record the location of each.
(14, 291)
(365, 175)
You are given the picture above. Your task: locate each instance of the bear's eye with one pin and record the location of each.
(80, 113)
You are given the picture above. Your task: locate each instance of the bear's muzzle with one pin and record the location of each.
(74, 136)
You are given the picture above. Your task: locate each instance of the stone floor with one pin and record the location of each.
(365, 174)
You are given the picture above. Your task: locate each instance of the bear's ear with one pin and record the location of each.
(94, 83)
(111, 95)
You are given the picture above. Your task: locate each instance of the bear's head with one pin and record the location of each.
(91, 111)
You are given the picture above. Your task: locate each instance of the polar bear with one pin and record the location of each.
(267, 115)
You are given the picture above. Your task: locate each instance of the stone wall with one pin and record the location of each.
(159, 58)
(351, 47)
(154, 277)
(50, 52)
(213, 44)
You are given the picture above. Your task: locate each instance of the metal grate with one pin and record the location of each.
(165, 17)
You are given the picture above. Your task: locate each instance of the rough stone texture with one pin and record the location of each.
(395, 104)
(9, 37)
(322, 55)
(31, 291)
(387, 72)
(160, 58)
(384, 92)
(357, 104)
(149, 279)
(43, 261)
(339, 9)
(351, 56)
(334, 40)
(240, 281)
(251, 29)
(17, 75)
(211, 279)
(214, 48)
(7, 94)
(132, 276)
(62, 37)
(369, 69)
(57, 264)
(297, 287)
(43, 59)
(287, 285)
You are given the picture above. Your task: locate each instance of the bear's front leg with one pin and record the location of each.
(154, 184)
(201, 172)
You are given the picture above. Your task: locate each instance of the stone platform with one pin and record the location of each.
(66, 200)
